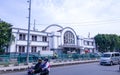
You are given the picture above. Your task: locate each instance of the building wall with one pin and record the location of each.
(13, 45)
(58, 40)
(53, 40)
(38, 43)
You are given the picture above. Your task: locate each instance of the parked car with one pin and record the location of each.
(110, 58)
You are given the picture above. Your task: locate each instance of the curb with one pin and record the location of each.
(72, 63)
(25, 67)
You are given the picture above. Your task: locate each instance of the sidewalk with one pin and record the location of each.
(53, 64)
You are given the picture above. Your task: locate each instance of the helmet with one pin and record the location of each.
(46, 59)
(40, 60)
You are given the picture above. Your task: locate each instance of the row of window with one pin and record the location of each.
(33, 37)
(68, 38)
(89, 43)
(33, 48)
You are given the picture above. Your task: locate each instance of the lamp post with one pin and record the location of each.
(28, 36)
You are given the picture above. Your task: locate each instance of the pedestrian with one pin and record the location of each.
(45, 67)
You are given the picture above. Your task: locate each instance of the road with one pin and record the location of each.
(81, 69)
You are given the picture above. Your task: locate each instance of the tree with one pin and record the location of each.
(5, 36)
(107, 42)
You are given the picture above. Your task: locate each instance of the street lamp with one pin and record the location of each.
(28, 37)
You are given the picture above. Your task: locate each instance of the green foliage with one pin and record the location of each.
(107, 42)
(5, 35)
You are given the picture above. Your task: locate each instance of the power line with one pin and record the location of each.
(87, 23)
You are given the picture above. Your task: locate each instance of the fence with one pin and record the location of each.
(21, 58)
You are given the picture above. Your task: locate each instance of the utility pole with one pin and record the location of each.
(28, 37)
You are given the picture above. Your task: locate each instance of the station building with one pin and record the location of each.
(53, 38)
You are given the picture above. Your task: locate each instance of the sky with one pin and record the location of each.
(84, 16)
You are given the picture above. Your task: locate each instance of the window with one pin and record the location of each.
(87, 42)
(92, 43)
(21, 49)
(22, 36)
(69, 38)
(34, 37)
(44, 48)
(84, 42)
(117, 54)
(44, 38)
(106, 55)
(33, 49)
(112, 55)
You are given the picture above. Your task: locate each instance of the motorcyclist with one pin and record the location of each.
(36, 69)
(45, 67)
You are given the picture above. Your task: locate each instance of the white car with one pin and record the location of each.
(110, 58)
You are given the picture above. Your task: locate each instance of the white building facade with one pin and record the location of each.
(54, 38)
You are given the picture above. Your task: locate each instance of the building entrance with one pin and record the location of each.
(68, 50)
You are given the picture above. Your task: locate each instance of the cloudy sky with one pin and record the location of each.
(84, 16)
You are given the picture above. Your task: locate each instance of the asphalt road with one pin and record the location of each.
(81, 69)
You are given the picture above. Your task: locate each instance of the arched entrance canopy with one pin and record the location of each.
(51, 26)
